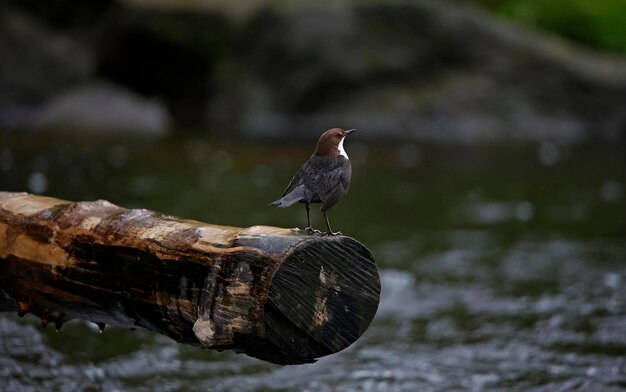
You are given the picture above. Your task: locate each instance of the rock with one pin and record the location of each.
(103, 107)
(169, 54)
(36, 60)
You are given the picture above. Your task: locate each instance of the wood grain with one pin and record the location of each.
(272, 293)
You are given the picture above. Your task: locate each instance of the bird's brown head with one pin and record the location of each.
(331, 142)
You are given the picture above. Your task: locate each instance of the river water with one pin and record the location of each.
(503, 265)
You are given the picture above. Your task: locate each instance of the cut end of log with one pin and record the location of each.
(321, 300)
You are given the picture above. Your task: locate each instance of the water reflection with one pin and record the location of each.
(494, 212)
(37, 182)
(118, 156)
(261, 175)
(6, 159)
(549, 153)
(612, 191)
(409, 155)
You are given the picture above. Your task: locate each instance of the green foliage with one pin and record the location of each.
(600, 24)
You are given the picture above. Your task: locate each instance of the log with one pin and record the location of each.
(271, 293)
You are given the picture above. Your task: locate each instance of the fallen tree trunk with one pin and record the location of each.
(269, 292)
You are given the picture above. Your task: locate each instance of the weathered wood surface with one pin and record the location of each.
(269, 292)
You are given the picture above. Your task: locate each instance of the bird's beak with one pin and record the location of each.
(349, 131)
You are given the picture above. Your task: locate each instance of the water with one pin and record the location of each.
(503, 266)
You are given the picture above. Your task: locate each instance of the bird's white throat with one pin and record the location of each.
(341, 149)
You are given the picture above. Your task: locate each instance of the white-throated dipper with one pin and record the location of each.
(324, 178)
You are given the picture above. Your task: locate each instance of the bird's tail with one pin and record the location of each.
(291, 198)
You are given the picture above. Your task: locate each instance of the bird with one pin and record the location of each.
(324, 178)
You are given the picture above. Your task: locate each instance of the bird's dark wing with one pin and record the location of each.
(297, 178)
(293, 181)
(336, 183)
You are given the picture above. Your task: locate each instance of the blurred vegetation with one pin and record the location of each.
(600, 24)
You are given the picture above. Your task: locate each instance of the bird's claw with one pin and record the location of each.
(331, 234)
(312, 231)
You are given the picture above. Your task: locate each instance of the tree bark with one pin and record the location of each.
(269, 292)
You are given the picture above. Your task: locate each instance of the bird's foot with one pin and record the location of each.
(312, 231)
(331, 234)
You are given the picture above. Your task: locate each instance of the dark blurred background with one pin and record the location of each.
(451, 70)
(489, 175)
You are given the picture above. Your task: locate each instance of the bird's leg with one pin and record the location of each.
(309, 229)
(330, 231)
